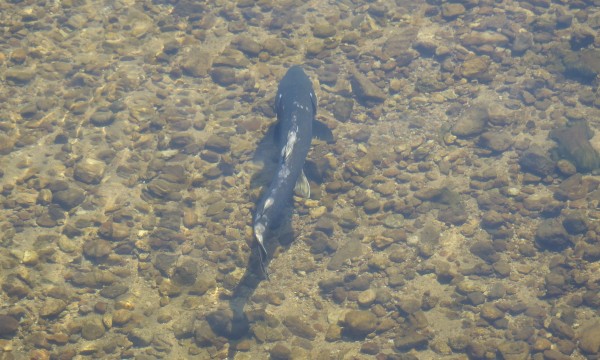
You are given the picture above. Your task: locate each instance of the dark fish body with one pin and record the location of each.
(296, 107)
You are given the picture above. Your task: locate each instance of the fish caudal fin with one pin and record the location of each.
(262, 255)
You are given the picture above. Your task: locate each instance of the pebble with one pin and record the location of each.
(342, 108)
(69, 198)
(8, 325)
(537, 164)
(490, 312)
(102, 117)
(364, 90)
(97, 248)
(323, 30)
(496, 141)
(551, 235)
(274, 46)
(141, 336)
(247, 45)
(574, 145)
(113, 291)
(584, 64)
(476, 68)
(52, 308)
(566, 167)
(485, 250)
(359, 323)
(92, 328)
(196, 61)
(350, 249)
(121, 317)
(185, 273)
(19, 75)
(589, 338)
(478, 38)
(451, 11)
(280, 352)
(522, 42)
(89, 171)
(366, 298)
(472, 122)
(514, 350)
(409, 341)
(223, 75)
(300, 327)
(561, 329)
(30, 257)
(364, 166)
(217, 143)
(575, 223)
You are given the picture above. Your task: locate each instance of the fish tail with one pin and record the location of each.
(262, 254)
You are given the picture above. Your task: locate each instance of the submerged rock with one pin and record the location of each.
(89, 171)
(471, 123)
(359, 323)
(574, 145)
(551, 235)
(536, 164)
(365, 91)
(583, 65)
(8, 325)
(589, 338)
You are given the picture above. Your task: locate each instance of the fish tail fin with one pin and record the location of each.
(262, 255)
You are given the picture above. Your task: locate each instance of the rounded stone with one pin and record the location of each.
(367, 297)
(121, 317)
(52, 307)
(323, 30)
(141, 336)
(589, 338)
(360, 323)
(89, 171)
(551, 235)
(102, 117)
(92, 328)
(68, 198)
(490, 312)
(8, 325)
(97, 248)
(280, 352)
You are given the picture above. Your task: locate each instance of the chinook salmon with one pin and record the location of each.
(296, 107)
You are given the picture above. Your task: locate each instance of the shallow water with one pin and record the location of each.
(450, 217)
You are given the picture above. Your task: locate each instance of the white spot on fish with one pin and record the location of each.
(289, 145)
(268, 203)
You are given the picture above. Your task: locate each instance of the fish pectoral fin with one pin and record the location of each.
(302, 187)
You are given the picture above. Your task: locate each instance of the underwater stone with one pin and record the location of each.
(536, 164)
(471, 123)
(359, 323)
(89, 171)
(551, 235)
(574, 145)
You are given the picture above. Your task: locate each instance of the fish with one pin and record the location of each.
(296, 109)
